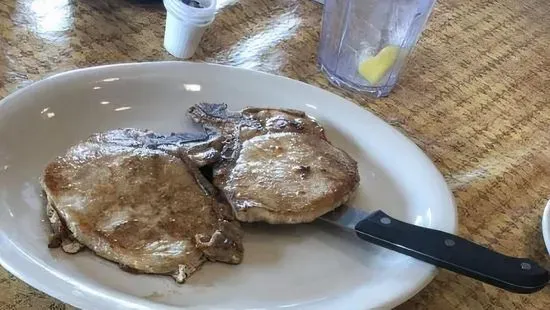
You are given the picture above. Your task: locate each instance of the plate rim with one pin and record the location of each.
(546, 226)
(134, 302)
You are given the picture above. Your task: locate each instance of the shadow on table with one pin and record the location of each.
(537, 248)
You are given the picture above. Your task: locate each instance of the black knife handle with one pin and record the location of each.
(519, 275)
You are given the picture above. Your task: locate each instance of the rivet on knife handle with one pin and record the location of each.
(519, 275)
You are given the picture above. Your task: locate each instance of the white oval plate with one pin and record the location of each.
(295, 266)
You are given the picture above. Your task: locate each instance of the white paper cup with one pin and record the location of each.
(185, 26)
(181, 39)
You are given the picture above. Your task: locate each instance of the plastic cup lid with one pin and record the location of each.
(184, 11)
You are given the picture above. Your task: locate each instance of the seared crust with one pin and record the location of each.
(143, 208)
(277, 165)
(252, 122)
(288, 178)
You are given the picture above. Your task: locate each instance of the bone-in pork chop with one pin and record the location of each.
(141, 204)
(277, 165)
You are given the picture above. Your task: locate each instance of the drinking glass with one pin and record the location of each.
(364, 43)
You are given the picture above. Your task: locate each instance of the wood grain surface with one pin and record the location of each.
(475, 97)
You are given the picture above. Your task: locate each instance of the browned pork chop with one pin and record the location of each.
(139, 205)
(277, 165)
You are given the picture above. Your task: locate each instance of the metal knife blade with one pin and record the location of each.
(345, 217)
(519, 275)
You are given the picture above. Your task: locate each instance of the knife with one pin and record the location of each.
(518, 275)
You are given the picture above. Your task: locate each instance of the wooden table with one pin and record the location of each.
(475, 97)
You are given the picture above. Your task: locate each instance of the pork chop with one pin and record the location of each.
(277, 165)
(135, 199)
(202, 148)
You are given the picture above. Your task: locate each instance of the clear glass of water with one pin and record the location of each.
(364, 43)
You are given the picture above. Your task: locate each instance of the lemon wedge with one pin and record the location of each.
(375, 68)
